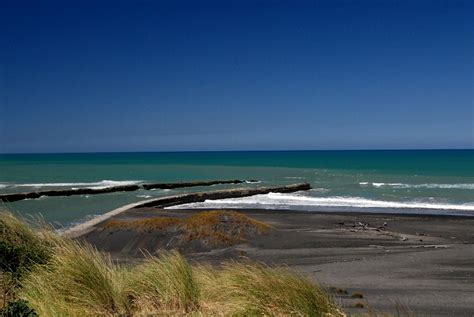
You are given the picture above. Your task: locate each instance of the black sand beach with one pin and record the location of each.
(421, 263)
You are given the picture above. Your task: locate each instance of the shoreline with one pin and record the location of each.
(338, 212)
(415, 261)
(87, 226)
(176, 200)
(167, 201)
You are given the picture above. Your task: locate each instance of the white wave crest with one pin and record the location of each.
(285, 201)
(94, 185)
(319, 190)
(428, 185)
(378, 184)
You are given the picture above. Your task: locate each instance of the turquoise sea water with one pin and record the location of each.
(425, 181)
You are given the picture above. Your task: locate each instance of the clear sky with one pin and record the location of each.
(235, 75)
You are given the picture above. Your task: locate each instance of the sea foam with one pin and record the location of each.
(94, 185)
(428, 185)
(286, 201)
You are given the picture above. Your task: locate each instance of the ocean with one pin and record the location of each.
(402, 181)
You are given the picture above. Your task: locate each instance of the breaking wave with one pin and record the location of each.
(94, 185)
(297, 201)
(429, 186)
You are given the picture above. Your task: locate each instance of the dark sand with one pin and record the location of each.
(424, 263)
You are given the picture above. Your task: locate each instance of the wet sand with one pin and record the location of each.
(424, 263)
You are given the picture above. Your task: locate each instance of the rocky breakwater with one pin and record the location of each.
(67, 192)
(126, 188)
(220, 194)
(194, 184)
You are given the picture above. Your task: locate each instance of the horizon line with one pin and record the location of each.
(230, 151)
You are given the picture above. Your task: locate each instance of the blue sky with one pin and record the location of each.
(235, 75)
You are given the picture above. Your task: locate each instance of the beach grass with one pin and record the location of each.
(75, 279)
(22, 246)
(167, 284)
(252, 289)
(82, 282)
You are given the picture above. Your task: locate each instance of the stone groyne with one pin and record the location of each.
(220, 194)
(127, 188)
(193, 184)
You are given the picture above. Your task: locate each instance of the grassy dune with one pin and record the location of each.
(216, 227)
(73, 279)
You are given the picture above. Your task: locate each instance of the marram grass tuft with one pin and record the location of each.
(77, 280)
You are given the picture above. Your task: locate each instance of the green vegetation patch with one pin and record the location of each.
(21, 248)
(80, 281)
(75, 279)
